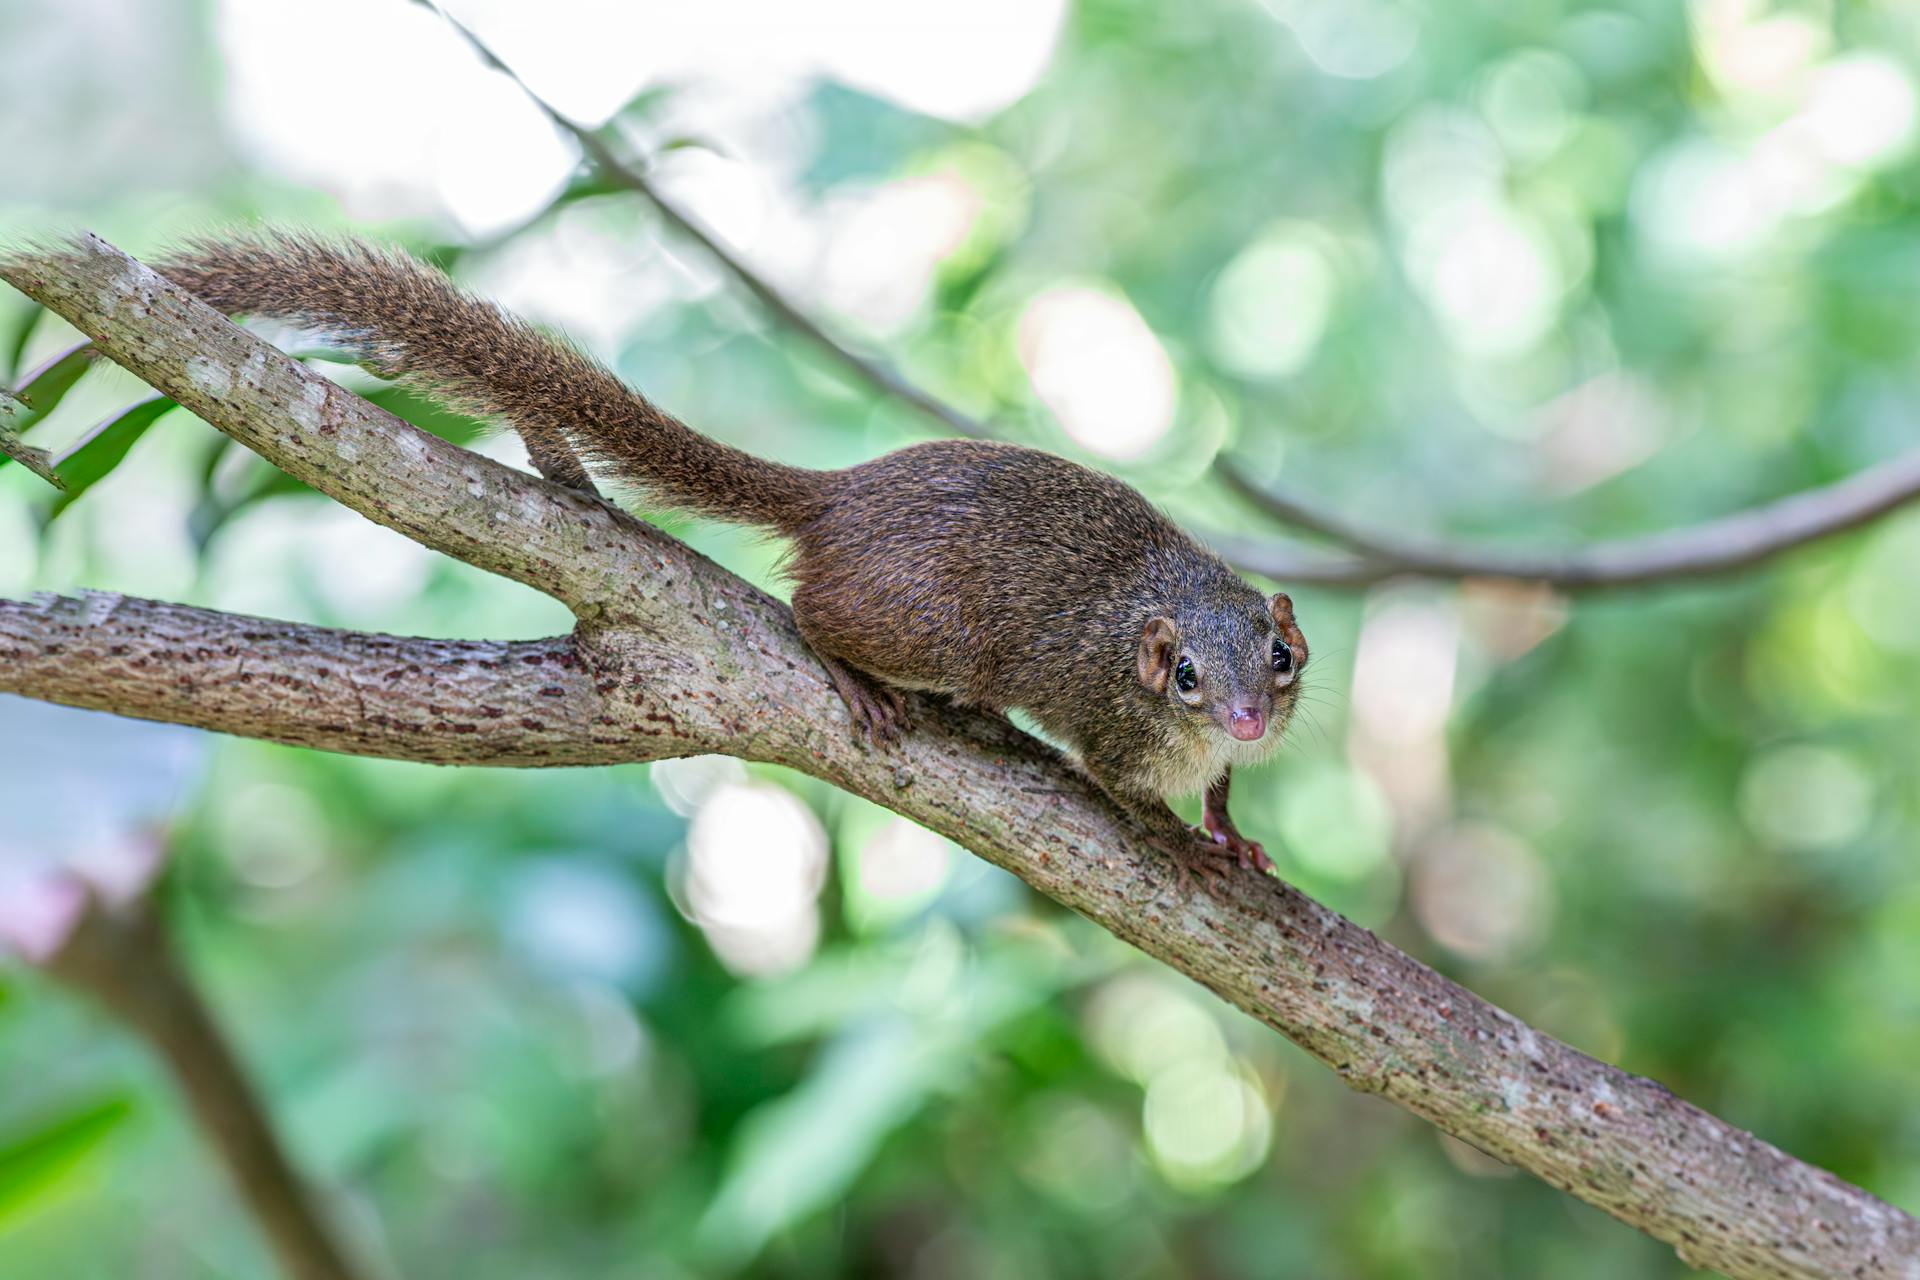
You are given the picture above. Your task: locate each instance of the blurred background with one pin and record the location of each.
(1540, 273)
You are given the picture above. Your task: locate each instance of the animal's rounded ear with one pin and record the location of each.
(1159, 644)
(1281, 607)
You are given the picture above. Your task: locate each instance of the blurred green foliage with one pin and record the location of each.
(1537, 272)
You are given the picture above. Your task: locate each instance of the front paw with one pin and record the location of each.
(1247, 853)
(1200, 858)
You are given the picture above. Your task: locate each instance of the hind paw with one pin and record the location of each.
(878, 710)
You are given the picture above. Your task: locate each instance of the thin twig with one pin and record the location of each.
(122, 958)
(1721, 546)
(866, 368)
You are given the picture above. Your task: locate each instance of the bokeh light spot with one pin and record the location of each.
(1807, 797)
(1481, 892)
(756, 860)
(1094, 362)
(1270, 305)
(1206, 1123)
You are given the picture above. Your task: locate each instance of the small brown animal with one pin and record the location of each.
(997, 575)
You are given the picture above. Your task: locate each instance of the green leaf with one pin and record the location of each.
(456, 428)
(213, 452)
(92, 457)
(39, 393)
(647, 103)
(801, 1151)
(41, 1162)
(18, 332)
(691, 142)
(42, 386)
(588, 185)
(213, 511)
(958, 290)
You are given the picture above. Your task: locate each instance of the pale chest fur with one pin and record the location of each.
(1192, 759)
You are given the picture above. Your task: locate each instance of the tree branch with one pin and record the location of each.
(441, 496)
(1738, 541)
(122, 958)
(697, 660)
(1722, 546)
(367, 695)
(865, 369)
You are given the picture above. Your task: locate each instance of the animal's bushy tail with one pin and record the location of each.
(404, 319)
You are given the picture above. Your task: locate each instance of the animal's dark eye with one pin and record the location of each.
(1282, 656)
(1185, 676)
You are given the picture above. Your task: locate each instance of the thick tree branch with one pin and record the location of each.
(122, 958)
(1722, 546)
(698, 660)
(368, 695)
(442, 496)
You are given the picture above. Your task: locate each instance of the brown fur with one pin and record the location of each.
(405, 320)
(999, 575)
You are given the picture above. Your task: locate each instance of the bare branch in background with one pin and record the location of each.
(1731, 543)
(1721, 546)
(790, 313)
(693, 660)
(122, 958)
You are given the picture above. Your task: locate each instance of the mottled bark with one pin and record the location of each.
(678, 656)
(440, 701)
(470, 507)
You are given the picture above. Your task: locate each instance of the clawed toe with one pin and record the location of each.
(1199, 858)
(884, 714)
(884, 718)
(876, 717)
(898, 721)
(1249, 854)
(1220, 842)
(878, 711)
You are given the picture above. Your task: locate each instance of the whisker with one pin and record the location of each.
(1319, 730)
(1324, 702)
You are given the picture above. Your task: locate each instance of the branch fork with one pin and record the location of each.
(674, 656)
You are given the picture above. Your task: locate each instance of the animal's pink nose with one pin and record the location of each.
(1247, 723)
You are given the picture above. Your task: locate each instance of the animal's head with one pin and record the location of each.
(1231, 667)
